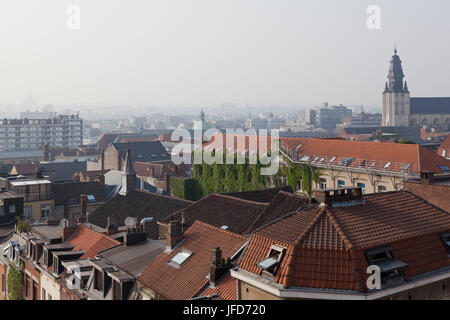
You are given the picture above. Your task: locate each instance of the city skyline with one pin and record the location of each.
(181, 54)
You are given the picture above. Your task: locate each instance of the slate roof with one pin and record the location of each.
(148, 151)
(139, 204)
(265, 195)
(57, 171)
(189, 279)
(430, 105)
(71, 191)
(325, 245)
(221, 210)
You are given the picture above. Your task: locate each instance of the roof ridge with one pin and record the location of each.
(199, 222)
(288, 273)
(100, 234)
(222, 195)
(338, 228)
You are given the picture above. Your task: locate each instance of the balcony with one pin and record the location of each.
(38, 196)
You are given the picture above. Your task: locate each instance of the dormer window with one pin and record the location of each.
(384, 258)
(271, 263)
(445, 237)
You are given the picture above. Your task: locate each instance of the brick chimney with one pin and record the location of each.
(102, 160)
(83, 205)
(338, 195)
(67, 232)
(151, 228)
(174, 234)
(426, 177)
(218, 267)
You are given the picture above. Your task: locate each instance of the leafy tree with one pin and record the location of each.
(23, 225)
(15, 283)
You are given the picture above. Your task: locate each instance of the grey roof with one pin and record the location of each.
(136, 257)
(148, 151)
(71, 192)
(430, 105)
(63, 171)
(21, 154)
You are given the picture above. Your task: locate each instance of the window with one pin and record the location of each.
(28, 213)
(372, 165)
(12, 209)
(443, 168)
(332, 159)
(45, 212)
(363, 163)
(387, 165)
(98, 280)
(91, 198)
(444, 152)
(316, 158)
(272, 261)
(346, 162)
(381, 189)
(445, 237)
(117, 291)
(406, 167)
(50, 297)
(362, 186)
(180, 258)
(323, 183)
(304, 158)
(43, 294)
(383, 257)
(3, 284)
(27, 286)
(35, 290)
(341, 184)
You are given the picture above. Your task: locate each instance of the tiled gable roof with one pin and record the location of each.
(325, 245)
(264, 195)
(446, 143)
(73, 190)
(439, 105)
(190, 278)
(148, 151)
(283, 203)
(90, 241)
(221, 210)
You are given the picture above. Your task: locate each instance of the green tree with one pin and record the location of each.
(15, 283)
(23, 225)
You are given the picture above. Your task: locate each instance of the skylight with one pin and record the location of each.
(316, 158)
(305, 158)
(443, 168)
(268, 263)
(346, 162)
(406, 166)
(363, 163)
(298, 147)
(372, 164)
(332, 159)
(181, 257)
(90, 197)
(321, 159)
(387, 165)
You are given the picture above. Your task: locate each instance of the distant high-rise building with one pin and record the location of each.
(30, 134)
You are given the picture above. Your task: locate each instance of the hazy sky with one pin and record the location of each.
(189, 52)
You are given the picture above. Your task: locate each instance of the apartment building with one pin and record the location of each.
(30, 134)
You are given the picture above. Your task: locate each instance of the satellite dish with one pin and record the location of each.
(64, 223)
(130, 222)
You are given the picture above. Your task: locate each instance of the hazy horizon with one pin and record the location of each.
(204, 52)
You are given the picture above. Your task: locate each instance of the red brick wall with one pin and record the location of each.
(3, 276)
(35, 273)
(435, 194)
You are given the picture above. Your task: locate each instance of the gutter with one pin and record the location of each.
(333, 294)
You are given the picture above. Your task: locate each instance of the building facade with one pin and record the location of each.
(30, 134)
(399, 109)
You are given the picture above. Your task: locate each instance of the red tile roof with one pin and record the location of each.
(190, 278)
(219, 210)
(91, 241)
(282, 203)
(227, 289)
(420, 158)
(325, 245)
(446, 143)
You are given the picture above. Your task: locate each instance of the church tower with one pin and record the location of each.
(128, 176)
(396, 102)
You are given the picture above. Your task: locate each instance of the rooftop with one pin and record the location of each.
(190, 278)
(325, 245)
